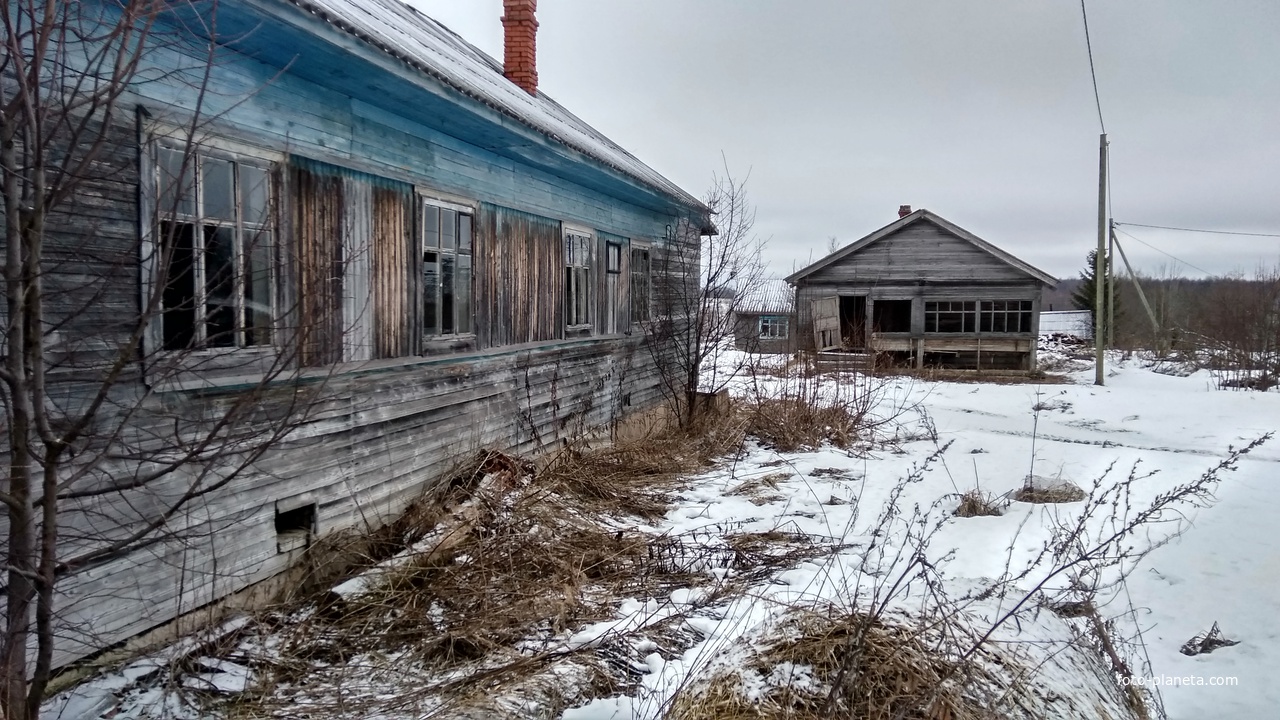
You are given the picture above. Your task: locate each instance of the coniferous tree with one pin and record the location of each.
(1083, 297)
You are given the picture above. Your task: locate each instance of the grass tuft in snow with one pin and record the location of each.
(824, 662)
(975, 503)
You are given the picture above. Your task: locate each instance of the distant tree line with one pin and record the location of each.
(1229, 322)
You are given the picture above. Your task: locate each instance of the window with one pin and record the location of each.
(640, 285)
(891, 316)
(1012, 316)
(951, 317)
(773, 327)
(577, 279)
(613, 258)
(215, 233)
(446, 271)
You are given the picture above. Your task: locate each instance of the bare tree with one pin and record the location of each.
(703, 275)
(1239, 325)
(98, 461)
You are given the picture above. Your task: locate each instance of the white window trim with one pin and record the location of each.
(447, 201)
(152, 137)
(774, 321)
(471, 210)
(567, 229)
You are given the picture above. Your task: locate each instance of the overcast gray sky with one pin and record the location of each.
(982, 112)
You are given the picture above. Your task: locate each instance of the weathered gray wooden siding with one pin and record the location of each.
(921, 251)
(746, 335)
(370, 442)
(519, 277)
(807, 292)
(612, 307)
(396, 273)
(89, 248)
(378, 433)
(318, 224)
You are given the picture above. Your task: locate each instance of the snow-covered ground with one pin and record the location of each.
(1223, 569)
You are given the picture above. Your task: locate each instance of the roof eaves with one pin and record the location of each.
(674, 192)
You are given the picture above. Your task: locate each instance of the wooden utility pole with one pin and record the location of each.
(1100, 268)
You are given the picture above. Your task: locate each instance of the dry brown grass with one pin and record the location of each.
(879, 670)
(975, 503)
(1058, 493)
(792, 424)
(761, 490)
(508, 557)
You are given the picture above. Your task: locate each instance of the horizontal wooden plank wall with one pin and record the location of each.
(375, 437)
(746, 334)
(923, 252)
(373, 442)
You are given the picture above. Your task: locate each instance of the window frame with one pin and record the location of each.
(966, 314)
(425, 201)
(1024, 313)
(768, 324)
(155, 213)
(578, 277)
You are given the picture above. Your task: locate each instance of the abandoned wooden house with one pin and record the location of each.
(456, 260)
(765, 318)
(925, 292)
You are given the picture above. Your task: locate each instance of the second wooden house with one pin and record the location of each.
(925, 292)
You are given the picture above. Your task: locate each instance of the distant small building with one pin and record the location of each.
(765, 318)
(924, 291)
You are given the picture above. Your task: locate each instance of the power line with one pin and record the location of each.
(1198, 230)
(1162, 252)
(1092, 73)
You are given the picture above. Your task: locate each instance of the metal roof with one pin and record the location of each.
(769, 296)
(425, 44)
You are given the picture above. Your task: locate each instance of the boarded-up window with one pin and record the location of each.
(519, 270)
(215, 232)
(318, 231)
(446, 271)
(640, 285)
(357, 291)
(615, 301)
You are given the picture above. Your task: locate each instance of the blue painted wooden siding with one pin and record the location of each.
(331, 103)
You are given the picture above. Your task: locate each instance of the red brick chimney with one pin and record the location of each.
(520, 60)
(904, 210)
